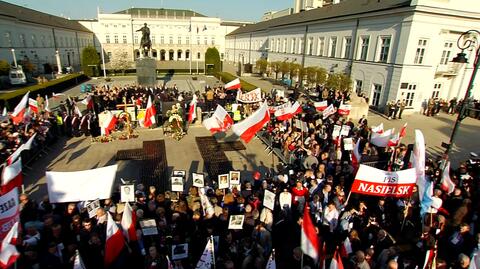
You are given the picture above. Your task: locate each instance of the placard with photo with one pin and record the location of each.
(179, 251)
(149, 227)
(198, 180)
(177, 183)
(234, 177)
(127, 193)
(336, 130)
(236, 222)
(92, 208)
(348, 143)
(179, 173)
(345, 130)
(223, 181)
(269, 199)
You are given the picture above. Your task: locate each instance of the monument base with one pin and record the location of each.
(359, 107)
(146, 71)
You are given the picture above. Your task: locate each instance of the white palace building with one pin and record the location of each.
(392, 49)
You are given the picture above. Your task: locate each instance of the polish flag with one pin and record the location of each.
(192, 111)
(394, 140)
(232, 85)
(247, 128)
(109, 124)
(309, 238)
(47, 105)
(321, 106)
(378, 129)
(19, 111)
(78, 262)
(336, 262)
(114, 241)
(344, 109)
(57, 95)
(446, 182)
(149, 114)
(346, 248)
(11, 176)
(356, 156)
(403, 131)
(288, 112)
(220, 121)
(8, 250)
(33, 104)
(88, 101)
(128, 223)
(382, 140)
(26, 146)
(429, 259)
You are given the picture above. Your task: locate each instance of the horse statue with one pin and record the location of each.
(145, 42)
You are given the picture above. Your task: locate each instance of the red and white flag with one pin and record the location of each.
(344, 109)
(10, 212)
(57, 95)
(150, 113)
(234, 84)
(382, 139)
(114, 242)
(220, 121)
(47, 105)
(77, 112)
(128, 223)
(8, 250)
(446, 182)
(19, 111)
(78, 262)
(12, 176)
(330, 110)
(346, 248)
(33, 104)
(309, 238)
(321, 106)
(247, 128)
(378, 129)
(26, 146)
(336, 262)
(109, 123)
(88, 101)
(288, 111)
(429, 259)
(394, 140)
(376, 182)
(403, 131)
(192, 111)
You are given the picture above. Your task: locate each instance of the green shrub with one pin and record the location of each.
(226, 77)
(90, 61)
(4, 68)
(212, 57)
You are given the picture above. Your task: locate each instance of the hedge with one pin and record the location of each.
(226, 77)
(57, 85)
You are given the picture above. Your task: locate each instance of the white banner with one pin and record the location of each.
(83, 185)
(254, 96)
(373, 181)
(9, 211)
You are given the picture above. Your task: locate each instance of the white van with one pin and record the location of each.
(17, 77)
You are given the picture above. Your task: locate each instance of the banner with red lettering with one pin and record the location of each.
(254, 96)
(373, 181)
(9, 211)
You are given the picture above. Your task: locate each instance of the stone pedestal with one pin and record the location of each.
(146, 71)
(359, 107)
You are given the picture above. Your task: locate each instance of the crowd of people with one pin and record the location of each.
(382, 232)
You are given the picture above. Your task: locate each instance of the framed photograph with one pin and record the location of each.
(336, 130)
(223, 181)
(127, 193)
(348, 143)
(236, 222)
(269, 199)
(345, 130)
(179, 173)
(234, 177)
(149, 227)
(179, 251)
(92, 208)
(198, 180)
(177, 183)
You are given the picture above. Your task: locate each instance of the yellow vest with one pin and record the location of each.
(236, 115)
(59, 120)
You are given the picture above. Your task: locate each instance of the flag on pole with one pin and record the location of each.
(128, 223)
(382, 139)
(19, 111)
(378, 129)
(425, 190)
(109, 123)
(192, 111)
(11, 176)
(206, 260)
(234, 84)
(346, 248)
(247, 128)
(288, 111)
(344, 109)
(336, 262)
(429, 259)
(208, 209)
(8, 250)
(220, 121)
(271, 264)
(309, 238)
(88, 101)
(26, 146)
(446, 182)
(78, 263)
(149, 114)
(427, 198)
(33, 104)
(114, 241)
(403, 131)
(356, 156)
(320, 106)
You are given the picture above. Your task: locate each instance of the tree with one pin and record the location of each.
(262, 65)
(311, 73)
(276, 67)
(90, 61)
(27, 65)
(344, 83)
(212, 57)
(294, 69)
(320, 76)
(333, 82)
(284, 68)
(120, 61)
(4, 68)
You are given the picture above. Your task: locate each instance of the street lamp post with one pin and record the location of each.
(14, 57)
(467, 40)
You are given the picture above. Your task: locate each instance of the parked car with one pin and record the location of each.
(17, 76)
